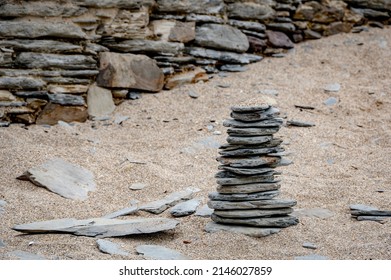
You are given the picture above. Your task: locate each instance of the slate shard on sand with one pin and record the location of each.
(156, 252)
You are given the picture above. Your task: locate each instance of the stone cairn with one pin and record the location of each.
(247, 183)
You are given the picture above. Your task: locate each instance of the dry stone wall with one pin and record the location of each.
(71, 60)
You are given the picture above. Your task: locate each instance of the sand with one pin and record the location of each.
(344, 159)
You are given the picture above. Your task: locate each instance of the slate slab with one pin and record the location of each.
(100, 101)
(282, 222)
(111, 248)
(248, 188)
(59, 176)
(185, 208)
(100, 227)
(156, 252)
(252, 213)
(251, 204)
(204, 211)
(159, 206)
(123, 212)
(246, 230)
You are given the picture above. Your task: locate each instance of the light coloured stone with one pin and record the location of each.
(72, 89)
(111, 248)
(246, 230)
(185, 208)
(194, 76)
(100, 102)
(5, 95)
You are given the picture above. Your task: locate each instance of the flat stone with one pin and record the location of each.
(204, 18)
(280, 222)
(67, 99)
(198, 74)
(250, 11)
(129, 71)
(248, 151)
(148, 46)
(248, 188)
(12, 104)
(233, 131)
(123, 212)
(362, 207)
(246, 230)
(311, 34)
(48, 61)
(227, 178)
(313, 213)
(248, 140)
(41, 46)
(155, 252)
(255, 161)
(233, 68)
(249, 171)
(309, 245)
(100, 101)
(122, 4)
(191, 6)
(332, 87)
(311, 257)
(223, 37)
(174, 31)
(361, 210)
(204, 211)
(249, 202)
(300, 123)
(137, 186)
(100, 227)
(2, 244)
(193, 94)
(252, 213)
(330, 101)
(253, 116)
(159, 206)
(285, 27)
(52, 113)
(30, 29)
(6, 59)
(23, 255)
(377, 4)
(276, 122)
(61, 177)
(4, 124)
(235, 197)
(248, 25)
(225, 56)
(185, 208)
(380, 219)
(111, 248)
(6, 96)
(278, 39)
(40, 9)
(21, 83)
(72, 89)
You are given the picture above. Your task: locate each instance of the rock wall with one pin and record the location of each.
(74, 60)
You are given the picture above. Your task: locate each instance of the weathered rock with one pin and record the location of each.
(4, 124)
(253, 161)
(5, 59)
(257, 45)
(47, 61)
(137, 186)
(204, 18)
(40, 9)
(229, 57)
(68, 89)
(21, 83)
(48, 73)
(100, 227)
(52, 113)
(252, 213)
(311, 257)
(337, 27)
(248, 25)
(373, 4)
(233, 68)
(279, 40)
(30, 30)
(310, 34)
(122, 4)
(248, 188)
(123, 212)
(185, 208)
(61, 177)
(280, 222)
(282, 26)
(157, 207)
(67, 99)
(246, 230)
(6, 96)
(313, 213)
(147, 46)
(41, 46)
(364, 210)
(223, 37)
(129, 71)
(241, 204)
(309, 245)
(156, 252)
(250, 11)
(191, 6)
(249, 171)
(194, 76)
(174, 31)
(331, 101)
(228, 178)
(380, 219)
(100, 102)
(276, 122)
(372, 14)
(204, 211)
(234, 197)
(111, 248)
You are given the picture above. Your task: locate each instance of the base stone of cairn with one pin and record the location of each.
(245, 199)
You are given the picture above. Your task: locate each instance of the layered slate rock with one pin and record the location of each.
(129, 71)
(368, 213)
(245, 200)
(61, 177)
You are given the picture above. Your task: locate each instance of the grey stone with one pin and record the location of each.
(100, 227)
(229, 57)
(5, 59)
(100, 101)
(129, 71)
(227, 178)
(147, 46)
(21, 83)
(249, 202)
(12, 104)
(241, 150)
(248, 140)
(48, 73)
(300, 123)
(223, 198)
(204, 18)
(234, 131)
(282, 26)
(258, 35)
(233, 68)
(331, 101)
(280, 222)
(4, 124)
(61, 177)
(23, 255)
(264, 123)
(224, 37)
(249, 25)
(269, 91)
(362, 207)
(361, 210)
(311, 257)
(278, 39)
(31, 29)
(137, 186)
(380, 219)
(95, 49)
(47, 61)
(185, 208)
(123, 212)
(156, 252)
(193, 94)
(40, 9)
(191, 6)
(255, 161)
(111, 248)
(373, 4)
(67, 99)
(309, 245)
(157, 207)
(252, 213)
(249, 171)
(2, 244)
(371, 14)
(248, 188)
(122, 4)
(311, 34)
(332, 87)
(246, 230)
(204, 211)
(250, 11)
(41, 46)
(253, 116)
(73, 89)
(313, 213)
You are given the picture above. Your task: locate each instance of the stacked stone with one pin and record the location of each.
(248, 182)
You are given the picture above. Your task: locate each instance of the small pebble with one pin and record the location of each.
(332, 87)
(309, 245)
(193, 94)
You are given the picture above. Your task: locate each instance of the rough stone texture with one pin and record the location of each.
(174, 31)
(230, 57)
(147, 46)
(246, 230)
(284, 221)
(194, 76)
(67, 99)
(61, 177)
(185, 208)
(191, 6)
(123, 4)
(100, 101)
(21, 83)
(155, 252)
(248, 10)
(279, 40)
(129, 71)
(52, 113)
(41, 46)
(252, 204)
(224, 37)
(48, 61)
(40, 9)
(111, 248)
(314, 213)
(5, 95)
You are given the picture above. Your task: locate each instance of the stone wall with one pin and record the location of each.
(74, 60)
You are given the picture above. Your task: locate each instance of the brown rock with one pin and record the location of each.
(338, 27)
(52, 113)
(279, 40)
(129, 71)
(256, 45)
(174, 31)
(194, 76)
(5, 95)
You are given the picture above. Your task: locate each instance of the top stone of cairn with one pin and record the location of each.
(255, 104)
